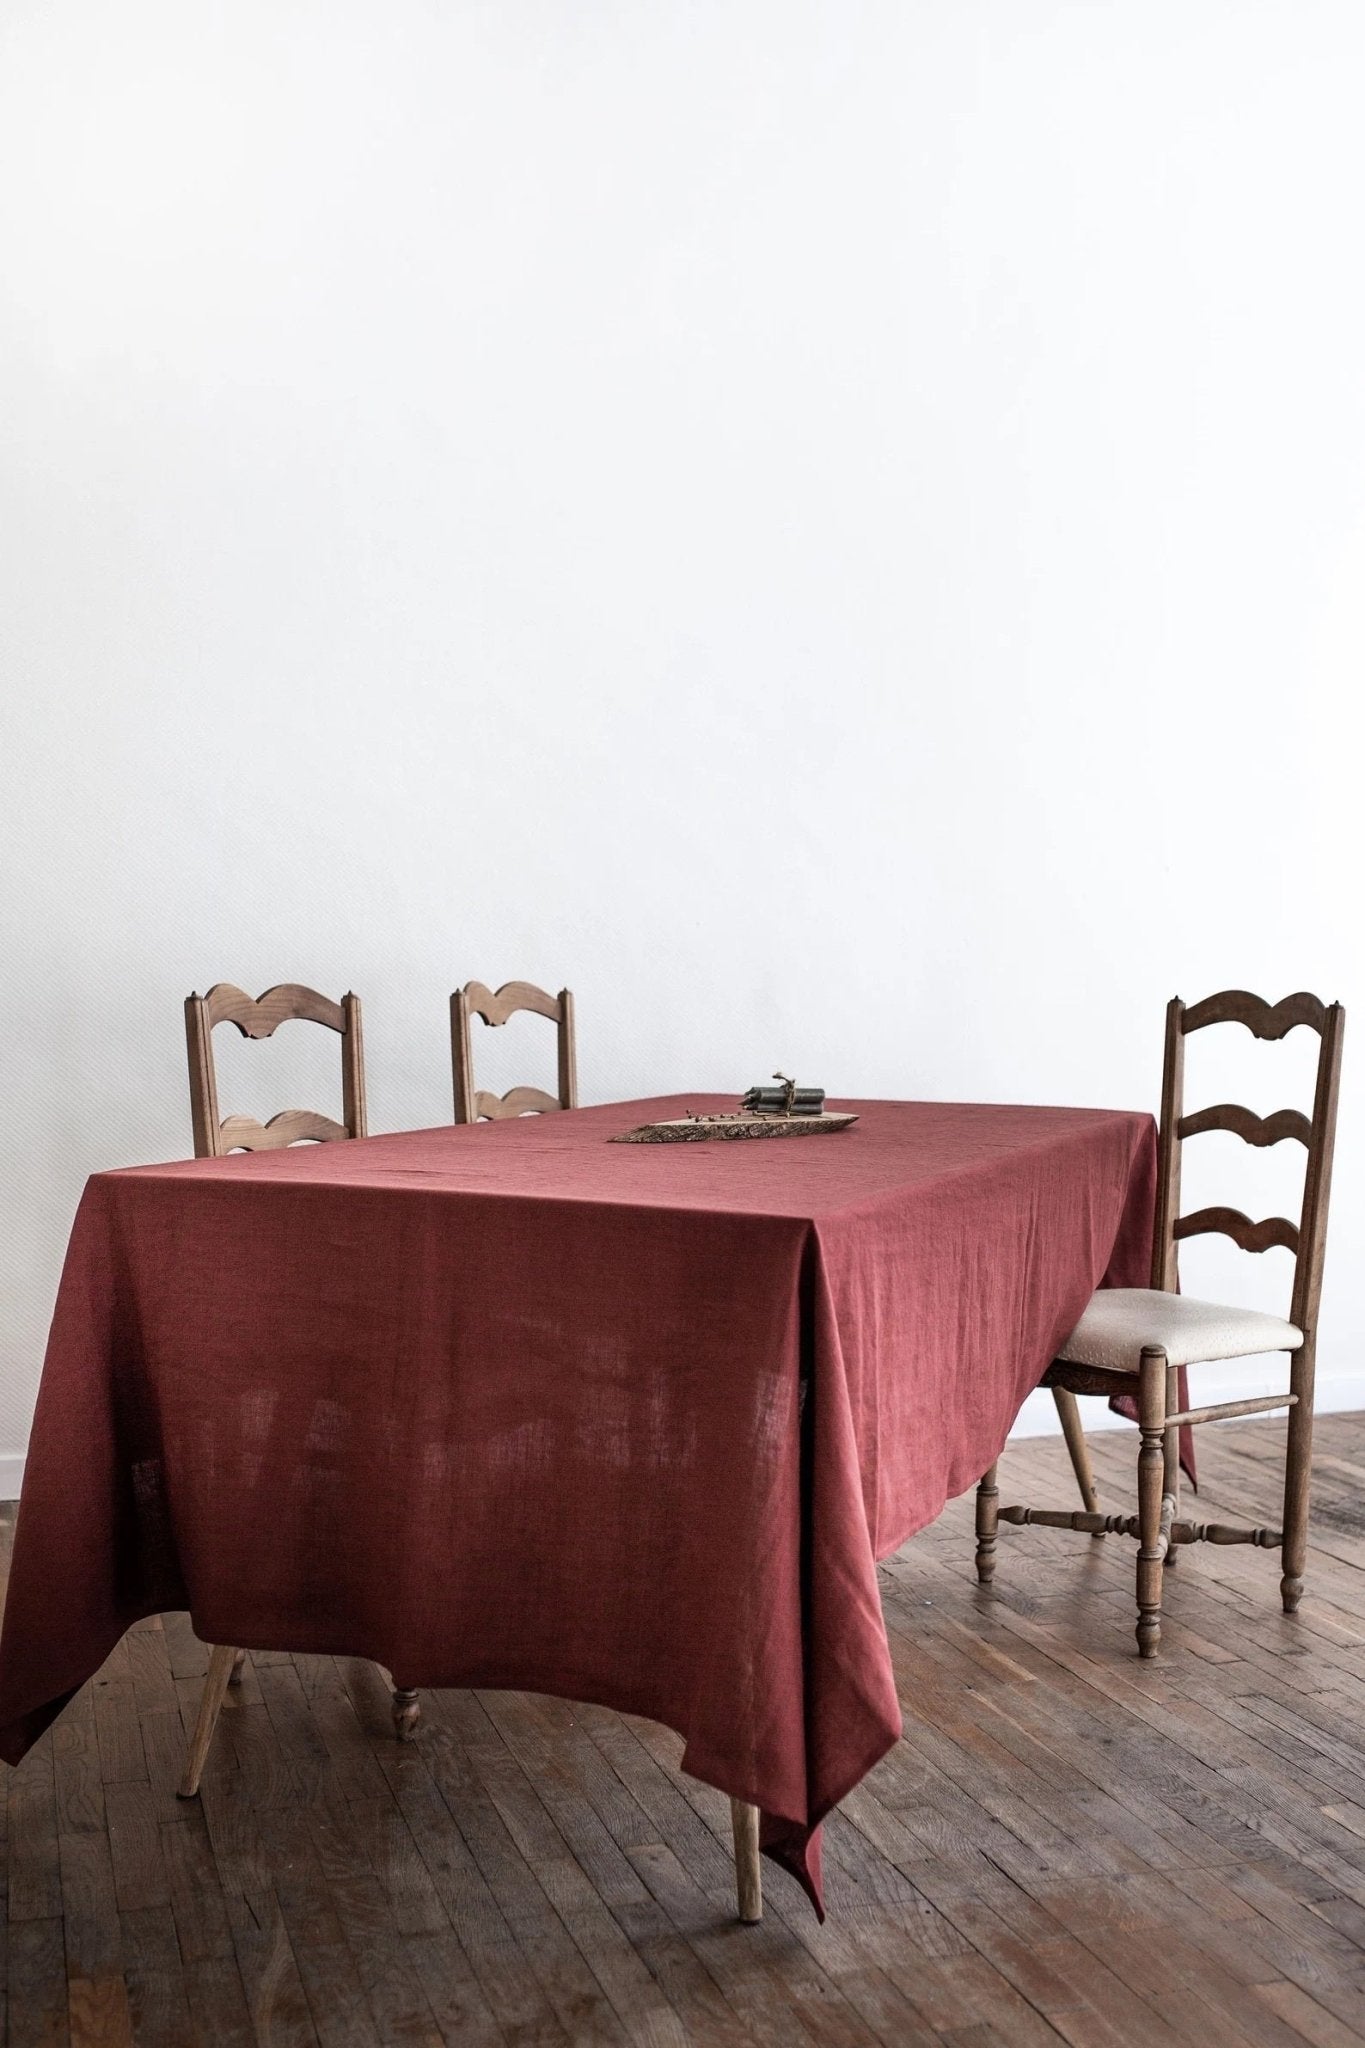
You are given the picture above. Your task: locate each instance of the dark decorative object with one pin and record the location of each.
(788, 1100)
(785, 1112)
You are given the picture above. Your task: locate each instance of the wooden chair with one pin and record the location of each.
(214, 1139)
(476, 1000)
(261, 1018)
(1133, 1341)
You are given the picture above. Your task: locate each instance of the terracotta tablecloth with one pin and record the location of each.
(508, 1405)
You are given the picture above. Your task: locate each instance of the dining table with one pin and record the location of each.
(514, 1405)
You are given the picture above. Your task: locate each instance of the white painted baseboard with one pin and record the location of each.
(11, 1474)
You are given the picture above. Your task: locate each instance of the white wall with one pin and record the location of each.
(449, 450)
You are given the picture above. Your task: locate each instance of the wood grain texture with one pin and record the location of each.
(353, 1109)
(1306, 1240)
(495, 1006)
(222, 1661)
(1165, 1267)
(987, 1525)
(1252, 1237)
(259, 1017)
(1065, 1846)
(1152, 1536)
(1245, 1124)
(1104, 1380)
(748, 1869)
(288, 1127)
(1262, 1019)
(1069, 1415)
(1307, 1298)
(1225, 1411)
(729, 1127)
(520, 1101)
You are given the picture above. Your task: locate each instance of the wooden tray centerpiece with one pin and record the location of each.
(785, 1112)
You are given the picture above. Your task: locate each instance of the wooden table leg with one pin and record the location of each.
(221, 1661)
(748, 1877)
(987, 1522)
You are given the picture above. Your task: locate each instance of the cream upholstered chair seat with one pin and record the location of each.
(1119, 1321)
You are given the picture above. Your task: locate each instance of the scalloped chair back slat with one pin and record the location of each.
(260, 1017)
(495, 1006)
(1306, 1237)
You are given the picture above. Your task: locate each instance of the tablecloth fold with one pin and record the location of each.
(514, 1406)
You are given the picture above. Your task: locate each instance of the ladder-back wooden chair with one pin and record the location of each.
(495, 1007)
(214, 1138)
(1133, 1341)
(261, 1017)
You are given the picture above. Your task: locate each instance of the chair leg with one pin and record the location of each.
(1171, 1454)
(1151, 1475)
(210, 1700)
(407, 1713)
(238, 1666)
(1069, 1413)
(987, 1523)
(748, 1877)
(1297, 1477)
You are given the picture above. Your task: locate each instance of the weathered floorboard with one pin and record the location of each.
(1067, 1845)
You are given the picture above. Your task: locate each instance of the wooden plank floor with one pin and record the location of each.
(1066, 1846)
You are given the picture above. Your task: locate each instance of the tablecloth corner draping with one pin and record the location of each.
(629, 1424)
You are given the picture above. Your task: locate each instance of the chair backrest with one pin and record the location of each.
(1306, 1238)
(495, 1007)
(258, 1018)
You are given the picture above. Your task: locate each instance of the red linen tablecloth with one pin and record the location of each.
(508, 1405)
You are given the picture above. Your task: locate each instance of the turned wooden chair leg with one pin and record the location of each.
(210, 1700)
(238, 1666)
(748, 1876)
(1297, 1476)
(1151, 1478)
(1171, 1457)
(407, 1713)
(987, 1524)
(1068, 1410)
